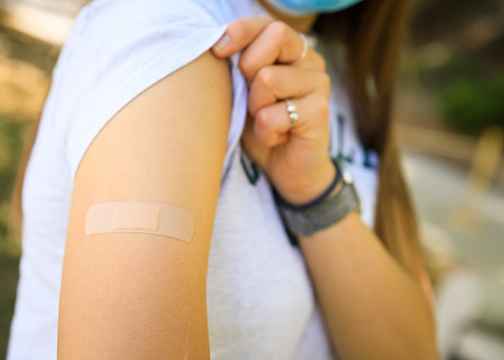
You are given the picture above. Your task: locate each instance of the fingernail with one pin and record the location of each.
(222, 43)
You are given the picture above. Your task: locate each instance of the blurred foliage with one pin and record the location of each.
(459, 57)
(457, 66)
(469, 94)
(11, 148)
(471, 105)
(9, 275)
(447, 20)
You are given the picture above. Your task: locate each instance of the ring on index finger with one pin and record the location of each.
(305, 46)
(293, 115)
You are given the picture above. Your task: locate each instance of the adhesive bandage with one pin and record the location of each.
(142, 217)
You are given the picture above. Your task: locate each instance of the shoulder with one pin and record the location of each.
(161, 125)
(116, 50)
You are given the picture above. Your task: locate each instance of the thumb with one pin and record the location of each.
(239, 34)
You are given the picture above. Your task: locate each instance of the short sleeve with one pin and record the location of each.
(116, 50)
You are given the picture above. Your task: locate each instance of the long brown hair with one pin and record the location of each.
(372, 33)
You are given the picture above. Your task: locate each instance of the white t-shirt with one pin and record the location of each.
(260, 299)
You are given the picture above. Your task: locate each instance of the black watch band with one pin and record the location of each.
(305, 220)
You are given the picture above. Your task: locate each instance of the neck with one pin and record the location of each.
(302, 23)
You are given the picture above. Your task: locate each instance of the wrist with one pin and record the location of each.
(314, 189)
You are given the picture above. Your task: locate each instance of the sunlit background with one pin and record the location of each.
(450, 114)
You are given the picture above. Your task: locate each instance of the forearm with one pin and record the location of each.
(373, 308)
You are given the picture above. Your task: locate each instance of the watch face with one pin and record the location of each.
(345, 171)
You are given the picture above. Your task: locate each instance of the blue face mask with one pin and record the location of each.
(302, 7)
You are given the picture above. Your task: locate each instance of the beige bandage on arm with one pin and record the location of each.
(142, 217)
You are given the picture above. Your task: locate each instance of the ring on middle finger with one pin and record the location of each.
(293, 115)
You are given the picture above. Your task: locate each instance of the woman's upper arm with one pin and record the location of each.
(135, 295)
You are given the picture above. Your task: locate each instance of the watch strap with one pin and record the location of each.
(305, 220)
(322, 216)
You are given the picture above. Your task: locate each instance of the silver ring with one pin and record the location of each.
(293, 115)
(305, 46)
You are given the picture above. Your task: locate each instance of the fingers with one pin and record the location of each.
(240, 33)
(277, 44)
(272, 123)
(276, 82)
(266, 42)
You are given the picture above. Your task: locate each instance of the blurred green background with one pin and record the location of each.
(461, 48)
(452, 89)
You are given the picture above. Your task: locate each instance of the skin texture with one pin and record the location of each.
(143, 296)
(366, 296)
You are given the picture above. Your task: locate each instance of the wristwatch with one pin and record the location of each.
(323, 212)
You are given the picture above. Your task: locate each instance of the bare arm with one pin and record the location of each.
(142, 296)
(373, 308)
